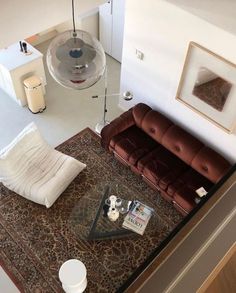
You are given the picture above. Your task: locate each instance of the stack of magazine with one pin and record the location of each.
(138, 217)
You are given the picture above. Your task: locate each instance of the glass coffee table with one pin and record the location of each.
(113, 255)
(88, 218)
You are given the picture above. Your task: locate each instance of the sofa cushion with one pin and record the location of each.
(132, 144)
(161, 167)
(191, 180)
(181, 143)
(185, 198)
(184, 189)
(210, 164)
(155, 125)
(139, 111)
(121, 123)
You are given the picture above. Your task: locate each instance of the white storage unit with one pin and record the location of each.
(15, 67)
(111, 27)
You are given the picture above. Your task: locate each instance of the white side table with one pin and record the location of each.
(73, 275)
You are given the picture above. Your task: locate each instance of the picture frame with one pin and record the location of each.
(208, 86)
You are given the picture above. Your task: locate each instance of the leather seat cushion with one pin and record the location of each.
(132, 144)
(161, 167)
(184, 198)
(192, 180)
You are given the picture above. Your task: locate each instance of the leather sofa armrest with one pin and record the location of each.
(123, 122)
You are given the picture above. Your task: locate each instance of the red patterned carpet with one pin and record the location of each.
(35, 241)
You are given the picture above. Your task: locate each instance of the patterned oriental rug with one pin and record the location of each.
(35, 241)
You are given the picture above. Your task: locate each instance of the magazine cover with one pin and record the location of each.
(138, 217)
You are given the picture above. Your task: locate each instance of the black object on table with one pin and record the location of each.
(24, 47)
(21, 47)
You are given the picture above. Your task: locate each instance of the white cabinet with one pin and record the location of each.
(111, 27)
(15, 67)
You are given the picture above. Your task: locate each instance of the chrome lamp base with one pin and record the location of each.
(99, 126)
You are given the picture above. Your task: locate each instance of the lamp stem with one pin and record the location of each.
(73, 15)
(105, 97)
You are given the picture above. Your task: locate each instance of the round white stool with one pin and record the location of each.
(73, 274)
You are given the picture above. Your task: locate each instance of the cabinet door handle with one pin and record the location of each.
(110, 2)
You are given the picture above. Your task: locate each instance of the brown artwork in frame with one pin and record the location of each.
(208, 86)
(211, 88)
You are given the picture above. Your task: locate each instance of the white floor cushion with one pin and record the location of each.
(33, 169)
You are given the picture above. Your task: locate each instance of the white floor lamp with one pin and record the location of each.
(127, 96)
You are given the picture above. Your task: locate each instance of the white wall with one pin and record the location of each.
(162, 32)
(21, 19)
(87, 22)
(218, 12)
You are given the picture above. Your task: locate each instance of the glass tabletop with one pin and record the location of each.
(89, 220)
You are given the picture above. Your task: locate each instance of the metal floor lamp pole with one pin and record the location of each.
(127, 96)
(99, 126)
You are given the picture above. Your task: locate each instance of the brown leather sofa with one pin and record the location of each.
(167, 157)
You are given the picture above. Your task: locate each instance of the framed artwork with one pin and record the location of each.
(208, 86)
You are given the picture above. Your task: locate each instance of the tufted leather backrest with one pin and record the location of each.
(181, 143)
(139, 111)
(210, 164)
(152, 122)
(155, 125)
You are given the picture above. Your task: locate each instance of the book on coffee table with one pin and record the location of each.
(138, 217)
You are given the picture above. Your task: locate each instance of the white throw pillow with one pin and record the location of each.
(33, 169)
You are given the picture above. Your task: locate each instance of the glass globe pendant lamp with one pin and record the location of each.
(75, 59)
